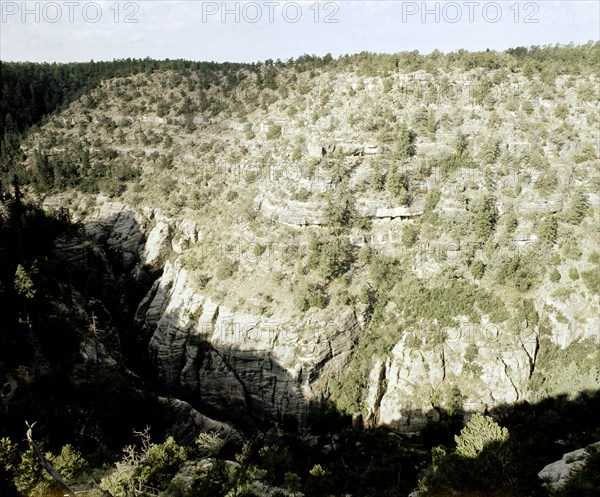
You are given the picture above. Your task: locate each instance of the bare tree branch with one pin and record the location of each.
(45, 463)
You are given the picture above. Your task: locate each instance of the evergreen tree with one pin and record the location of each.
(548, 230)
(480, 432)
(485, 217)
(405, 146)
(579, 208)
(398, 185)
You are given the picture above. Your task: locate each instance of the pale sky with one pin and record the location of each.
(250, 31)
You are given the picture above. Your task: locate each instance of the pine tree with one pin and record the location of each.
(397, 184)
(579, 208)
(405, 146)
(548, 231)
(480, 432)
(485, 218)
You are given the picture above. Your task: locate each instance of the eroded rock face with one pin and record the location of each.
(270, 367)
(147, 237)
(296, 213)
(118, 229)
(291, 212)
(158, 243)
(189, 423)
(498, 374)
(373, 208)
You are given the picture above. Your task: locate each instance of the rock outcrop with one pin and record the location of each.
(376, 209)
(118, 229)
(292, 212)
(296, 213)
(267, 366)
(401, 386)
(189, 423)
(556, 474)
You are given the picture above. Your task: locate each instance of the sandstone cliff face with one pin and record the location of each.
(403, 385)
(117, 228)
(268, 366)
(120, 230)
(133, 237)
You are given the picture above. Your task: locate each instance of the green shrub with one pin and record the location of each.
(561, 111)
(527, 107)
(518, 271)
(547, 181)
(9, 463)
(485, 217)
(432, 199)
(293, 482)
(570, 249)
(588, 153)
(573, 273)
(32, 479)
(231, 195)
(478, 269)
(479, 433)
(310, 295)
(471, 353)
(70, 464)
(225, 269)
(332, 257)
(248, 132)
(273, 131)
(377, 178)
(405, 145)
(410, 235)
(537, 159)
(483, 463)
(554, 276)
(209, 444)
(23, 284)
(511, 222)
(490, 151)
(384, 272)
(548, 230)
(397, 184)
(161, 463)
(339, 210)
(167, 185)
(579, 209)
(592, 280)
(258, 250)
(586, 91)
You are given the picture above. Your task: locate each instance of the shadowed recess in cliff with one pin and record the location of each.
(216, 358)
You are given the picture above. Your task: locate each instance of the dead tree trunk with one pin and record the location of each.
(45, 463)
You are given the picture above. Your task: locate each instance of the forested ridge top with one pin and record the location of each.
(32, 90)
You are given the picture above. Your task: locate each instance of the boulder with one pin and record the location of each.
(556, 474)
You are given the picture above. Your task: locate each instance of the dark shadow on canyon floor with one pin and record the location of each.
(381, 462)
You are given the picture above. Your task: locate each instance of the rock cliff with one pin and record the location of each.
(267, 366)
